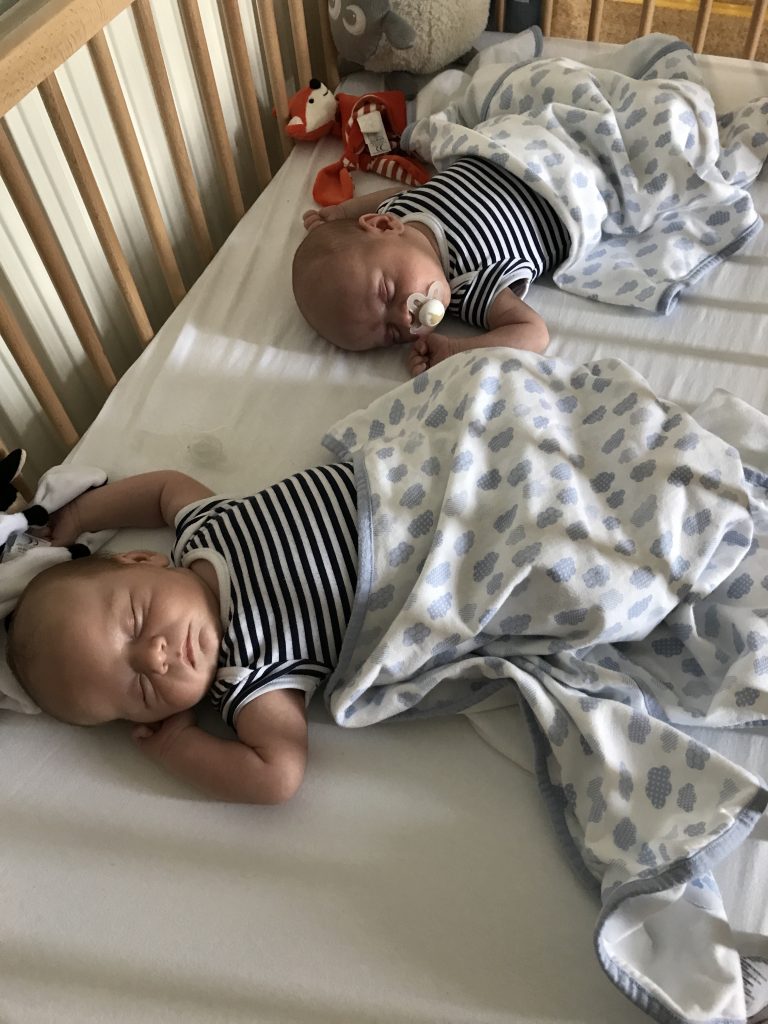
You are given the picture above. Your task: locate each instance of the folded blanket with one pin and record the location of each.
(631, 154)
(560, 529)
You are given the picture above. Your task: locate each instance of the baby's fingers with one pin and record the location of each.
(144, 731)
(312, 218)
(417, 363)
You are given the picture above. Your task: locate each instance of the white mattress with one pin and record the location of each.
(415, 878)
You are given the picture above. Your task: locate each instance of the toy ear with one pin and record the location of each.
(10, 466)
(333, 185)
(399, 33)
(36, 515)
(312, 111)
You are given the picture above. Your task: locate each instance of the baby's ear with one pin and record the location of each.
(381, 223)
(142, 557)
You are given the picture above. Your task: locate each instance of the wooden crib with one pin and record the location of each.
(150, 209)
(110, 212)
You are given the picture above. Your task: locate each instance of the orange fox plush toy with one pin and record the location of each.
(313, 113)
(370, 127)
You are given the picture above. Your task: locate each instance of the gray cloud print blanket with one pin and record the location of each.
(560, 530)
(649, 181)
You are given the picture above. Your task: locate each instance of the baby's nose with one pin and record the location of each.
(156, 655)
(404, 318)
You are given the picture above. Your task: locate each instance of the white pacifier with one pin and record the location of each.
(427, 310)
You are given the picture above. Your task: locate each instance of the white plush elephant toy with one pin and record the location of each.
(420, 36)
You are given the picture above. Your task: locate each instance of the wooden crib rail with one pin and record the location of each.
(34, 44)
(648, 9)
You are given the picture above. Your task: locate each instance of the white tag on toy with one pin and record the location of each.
(372, 127)
(427, 310)
(20, 543)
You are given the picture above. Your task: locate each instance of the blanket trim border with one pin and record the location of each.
(681, 871)
(669, 297)
(364, 566)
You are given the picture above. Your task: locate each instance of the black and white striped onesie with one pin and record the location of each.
(492, 230)
(286, 563)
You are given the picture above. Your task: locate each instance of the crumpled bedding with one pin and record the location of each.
(561, 531)
(649, 181)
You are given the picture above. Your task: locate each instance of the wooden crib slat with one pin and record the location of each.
(300, 41)
(275, 72)
(137, 168)
(331, 78)
(34, 374)
(158, 75)
(595, 20)
(201, 59)
(702, 24)
(755, 28)
(646, 17)
(547, 7)
(501, 10)
(249, 101)
(53, 257)
(69, 141)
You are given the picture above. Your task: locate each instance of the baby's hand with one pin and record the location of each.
(313, 218)
(157, 739)
(64, 525)
(429, 349)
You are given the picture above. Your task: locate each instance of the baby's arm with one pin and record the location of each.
(351, 209)
(148, 501)
(264, 765)
(512, 324)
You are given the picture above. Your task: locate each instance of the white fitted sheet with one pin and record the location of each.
(415, 878)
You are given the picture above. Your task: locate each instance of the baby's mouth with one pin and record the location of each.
(189, 650)
(426, 309)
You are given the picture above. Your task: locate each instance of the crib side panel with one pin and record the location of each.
(134, 135)
(731, 28)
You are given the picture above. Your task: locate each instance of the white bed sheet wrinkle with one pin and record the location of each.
(23, 771)
(317, 941)
(415, 879)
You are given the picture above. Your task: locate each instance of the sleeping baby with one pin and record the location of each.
(503, 522)
(622, 180)
(383, 268)
(253, 604)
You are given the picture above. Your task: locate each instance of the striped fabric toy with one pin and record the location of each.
(334, 183)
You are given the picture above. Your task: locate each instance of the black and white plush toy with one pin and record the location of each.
(23, 557)
(15, 521)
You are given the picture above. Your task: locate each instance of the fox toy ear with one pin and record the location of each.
(10, 467)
